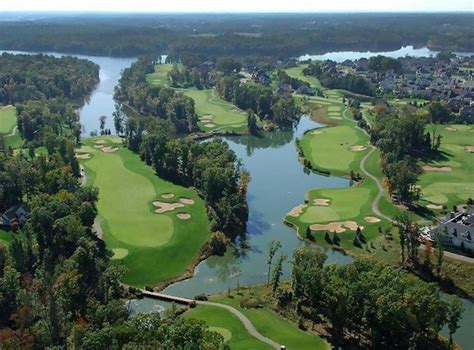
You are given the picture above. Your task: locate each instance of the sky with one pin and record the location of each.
(239, 5)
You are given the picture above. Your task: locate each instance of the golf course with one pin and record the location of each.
(160, 76)
(449, 181)
(8, 122)
(144, 228)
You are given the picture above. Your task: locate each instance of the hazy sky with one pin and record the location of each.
(238, 5)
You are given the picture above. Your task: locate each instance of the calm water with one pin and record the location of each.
(278, 184)
(341, 56)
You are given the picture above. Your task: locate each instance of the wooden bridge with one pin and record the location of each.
(170, 298)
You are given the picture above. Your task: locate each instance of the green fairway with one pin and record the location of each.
(455, 185)
(160, 76)
(5, 237)
(275, 327)
(297, 72)
(154, 247)
(8, 122)
(334, 148)
(215, 113)
(229, 326)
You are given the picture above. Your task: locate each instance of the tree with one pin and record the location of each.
(102, 120)
(439, 112)
(273, 247)
(252, 126)
(439, 239)
(228, 65)
(277, 272)
(456, 309)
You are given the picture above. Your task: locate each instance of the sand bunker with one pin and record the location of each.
(164, 207)
(98, 146)
(109, 149)
(296, 211)
(337, 227)
(358, 148)
(316, 132)
(371, 219)
(441, 169)
(167, 195)
(321, 201)
(185, 200)
(119, 253)
(469, 149)
(100, 142)
(183, 216)
(210, 125)
(434, 206)
(83, 155)
(449, 128)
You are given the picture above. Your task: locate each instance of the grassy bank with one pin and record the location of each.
(155, 247)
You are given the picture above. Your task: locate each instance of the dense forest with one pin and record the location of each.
(276, 35)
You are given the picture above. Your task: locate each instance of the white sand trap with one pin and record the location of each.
(119, 253)
(371, 219)
(469, 149)
(109, 149)
(185, 200)
(441, 169)
(183, 216)
(83, 155)
(296, 211)
(337, 227)
(100, 142)
(316, 132)
(210, 125)
(167, 195)
(450, 128)
(338, 118)
(358, 148)
(164, 207)
(235, 110)
(321, 201)
(99, 146)
(434, 206)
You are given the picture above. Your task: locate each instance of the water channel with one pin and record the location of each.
(278, 184)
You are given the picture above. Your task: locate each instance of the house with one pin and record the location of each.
(457, 229)
(15, 214)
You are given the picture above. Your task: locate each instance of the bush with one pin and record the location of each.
(251, 303)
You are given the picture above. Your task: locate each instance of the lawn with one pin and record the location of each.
(215, 113)
(297, 72)
(229, 326)
(8, 121)
(160, 76)
(274, 326)
(5, 237)
(455, 185)
(144, 241)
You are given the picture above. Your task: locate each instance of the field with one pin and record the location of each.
(140, 238)
(449, 181)
(160, 76)
(229, 326)
(297, 72)
(215, 113)
(8, 126)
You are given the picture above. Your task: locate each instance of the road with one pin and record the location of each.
(246, 322)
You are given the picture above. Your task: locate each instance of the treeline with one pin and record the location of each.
(370, 305)
(212, 168)
(400, 134)
(159, 101)
(383, 64)
(41, 77)
(261, 99)
(277, 35)
(333, 79)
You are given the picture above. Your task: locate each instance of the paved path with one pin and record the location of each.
(246, 322)
(13, 131)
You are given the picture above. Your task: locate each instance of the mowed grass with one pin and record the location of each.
(160, 76)
(8, 121)
(330, 148)
(297, 72)
(154, 247)
(221, 114)
(274, 326)
(457, 185)
(226, 323)
(5, 237)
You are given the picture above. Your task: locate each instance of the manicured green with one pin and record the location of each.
(226, 323)
(160, 76)
(154, 247)
(225, 115)
(275, 327)
(297, 72)
(457, 185)
(7, 119)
